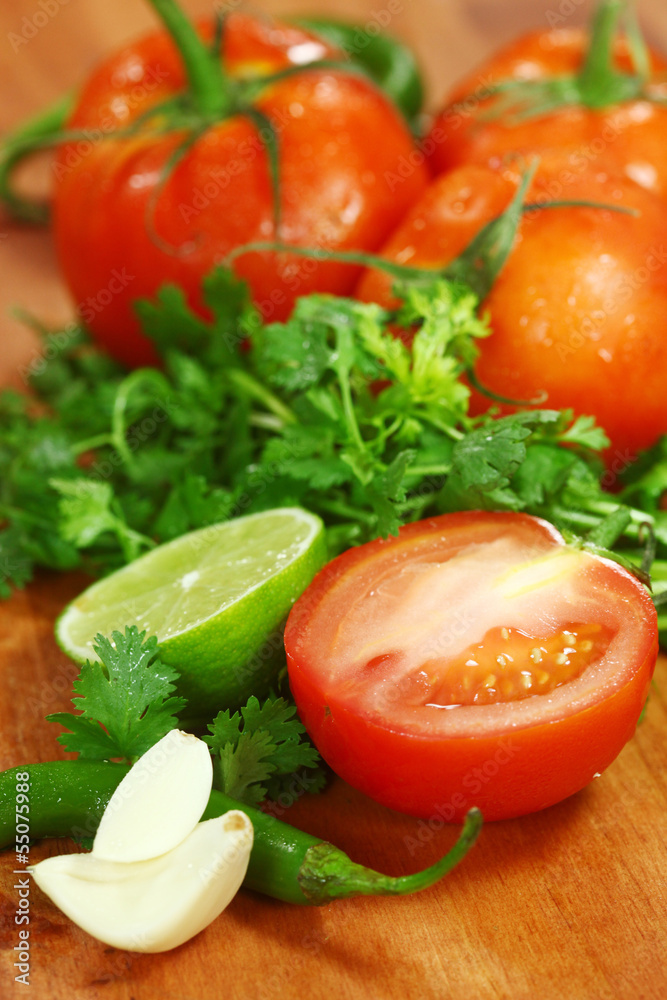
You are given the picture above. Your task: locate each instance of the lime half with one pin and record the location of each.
(216, 599)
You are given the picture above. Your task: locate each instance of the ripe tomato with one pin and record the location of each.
(122, 230)
(473, 660)
(630, 135)
(580, 307)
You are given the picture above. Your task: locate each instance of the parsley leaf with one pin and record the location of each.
(125, 700)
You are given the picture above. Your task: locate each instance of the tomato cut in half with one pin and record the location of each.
(473, 660)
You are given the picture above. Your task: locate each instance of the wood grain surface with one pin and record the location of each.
(567, 903)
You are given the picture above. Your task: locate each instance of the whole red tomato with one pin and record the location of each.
(580, 308)
(629, 135)
(473, 660)
(137, 210)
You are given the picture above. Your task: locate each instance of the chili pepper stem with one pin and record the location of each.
(209, 87)
(327, 873)
(68, 797)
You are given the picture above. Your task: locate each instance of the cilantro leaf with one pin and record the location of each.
(585, 432)
(173, 326)
(85, 509)
(259, 746)
(125, 700)
(486, 459)
(543, 473)
(15, 563)
(295, 355)
(169, 322)
(329, 410)
(192, 503)
(243, 768)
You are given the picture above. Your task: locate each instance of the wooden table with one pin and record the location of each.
(567, 903)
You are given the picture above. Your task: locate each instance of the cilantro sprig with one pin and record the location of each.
(329, 410)
(125, 699)
(261, 750)
(125, 703)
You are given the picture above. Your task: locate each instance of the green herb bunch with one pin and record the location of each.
(330, 410)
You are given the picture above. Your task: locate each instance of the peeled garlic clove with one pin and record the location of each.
(159, 801)
(157, 904)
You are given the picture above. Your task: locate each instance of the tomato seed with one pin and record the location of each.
(529, 665)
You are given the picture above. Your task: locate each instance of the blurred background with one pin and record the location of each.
(49, 46)
(60, 40)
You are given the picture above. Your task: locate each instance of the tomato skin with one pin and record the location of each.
(425, 773)
(120, 233)
(497, 774)
(579, 308)
(629, 136)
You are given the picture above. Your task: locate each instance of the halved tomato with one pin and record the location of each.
(473, 660)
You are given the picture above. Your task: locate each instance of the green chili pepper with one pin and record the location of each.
(67, 798)
(390, 63)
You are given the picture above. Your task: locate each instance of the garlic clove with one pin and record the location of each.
(159, 801)
(153, 905)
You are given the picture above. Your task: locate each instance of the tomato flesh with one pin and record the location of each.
(509, 664)
(468, 642)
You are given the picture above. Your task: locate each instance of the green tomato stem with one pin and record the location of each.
(208, 85)
(38, 132)
(599, 83)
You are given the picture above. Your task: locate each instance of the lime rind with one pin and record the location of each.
(216, 599)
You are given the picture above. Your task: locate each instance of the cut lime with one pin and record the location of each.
(215, 598)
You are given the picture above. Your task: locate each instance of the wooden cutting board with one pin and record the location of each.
(569, 902)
